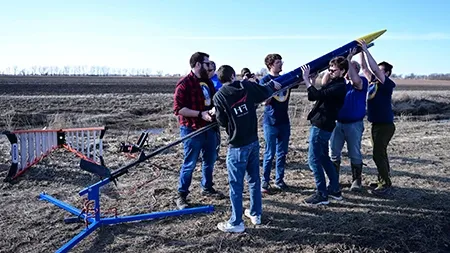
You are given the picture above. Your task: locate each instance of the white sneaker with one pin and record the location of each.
(227, 227)
(256, 219)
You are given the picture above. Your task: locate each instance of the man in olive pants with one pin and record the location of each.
(381, 136)
(381, 115)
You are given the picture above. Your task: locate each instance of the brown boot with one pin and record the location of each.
(356, 177)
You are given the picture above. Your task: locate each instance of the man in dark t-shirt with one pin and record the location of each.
(276, 126)
(381, 116)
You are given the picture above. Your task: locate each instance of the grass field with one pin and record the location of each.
(414, 219)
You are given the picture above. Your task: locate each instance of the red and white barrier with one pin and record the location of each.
(28, 147)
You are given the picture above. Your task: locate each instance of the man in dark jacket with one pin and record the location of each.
(235, 110)
(329, 101)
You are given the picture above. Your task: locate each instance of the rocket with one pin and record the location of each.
(318, 65)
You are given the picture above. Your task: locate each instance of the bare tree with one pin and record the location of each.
(34, 70)
(108, 71)
(410, 76)
(76, 70)
(105, 70)
(66, 70)
(43, 70)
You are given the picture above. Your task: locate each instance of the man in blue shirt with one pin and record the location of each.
(380, 114)
(213, 76)
(217, 85)
(350, 125)
(276, 127)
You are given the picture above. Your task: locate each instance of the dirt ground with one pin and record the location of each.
(414, 219)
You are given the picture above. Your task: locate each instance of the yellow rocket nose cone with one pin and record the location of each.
(373, 36)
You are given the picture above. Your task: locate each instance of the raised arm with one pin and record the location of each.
(372, 63)
(365, 69)
(306, 76)
(326, 78)
(313, 93)
(355, 79)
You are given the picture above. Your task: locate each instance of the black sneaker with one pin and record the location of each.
(181, 202)
(265, 187)
(281, 185)
(335, 195)
(382, 190)
(212, 193)
(316, 199)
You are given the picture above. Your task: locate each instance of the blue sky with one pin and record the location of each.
(162, 35)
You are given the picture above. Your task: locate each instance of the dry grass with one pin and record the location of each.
(414, 219)
(7, 117)
(423, 83)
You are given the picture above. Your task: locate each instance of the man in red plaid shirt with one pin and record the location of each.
(192, 104)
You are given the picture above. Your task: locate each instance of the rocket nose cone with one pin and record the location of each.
(373, 36)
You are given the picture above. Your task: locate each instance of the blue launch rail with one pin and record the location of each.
(95, 221)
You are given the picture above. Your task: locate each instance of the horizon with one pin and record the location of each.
(154, 36)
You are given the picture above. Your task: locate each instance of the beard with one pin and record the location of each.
(204, 73)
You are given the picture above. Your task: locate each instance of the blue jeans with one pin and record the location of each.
(350, 133)
(205, 144)
(277, 142)
(319, 161)
(244, 161)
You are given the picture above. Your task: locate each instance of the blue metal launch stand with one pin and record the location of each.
(91, 213)
(94, 221)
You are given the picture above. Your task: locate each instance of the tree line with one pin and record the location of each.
(79, 71)
(148, 72)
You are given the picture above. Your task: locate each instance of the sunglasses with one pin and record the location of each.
(332, 70)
